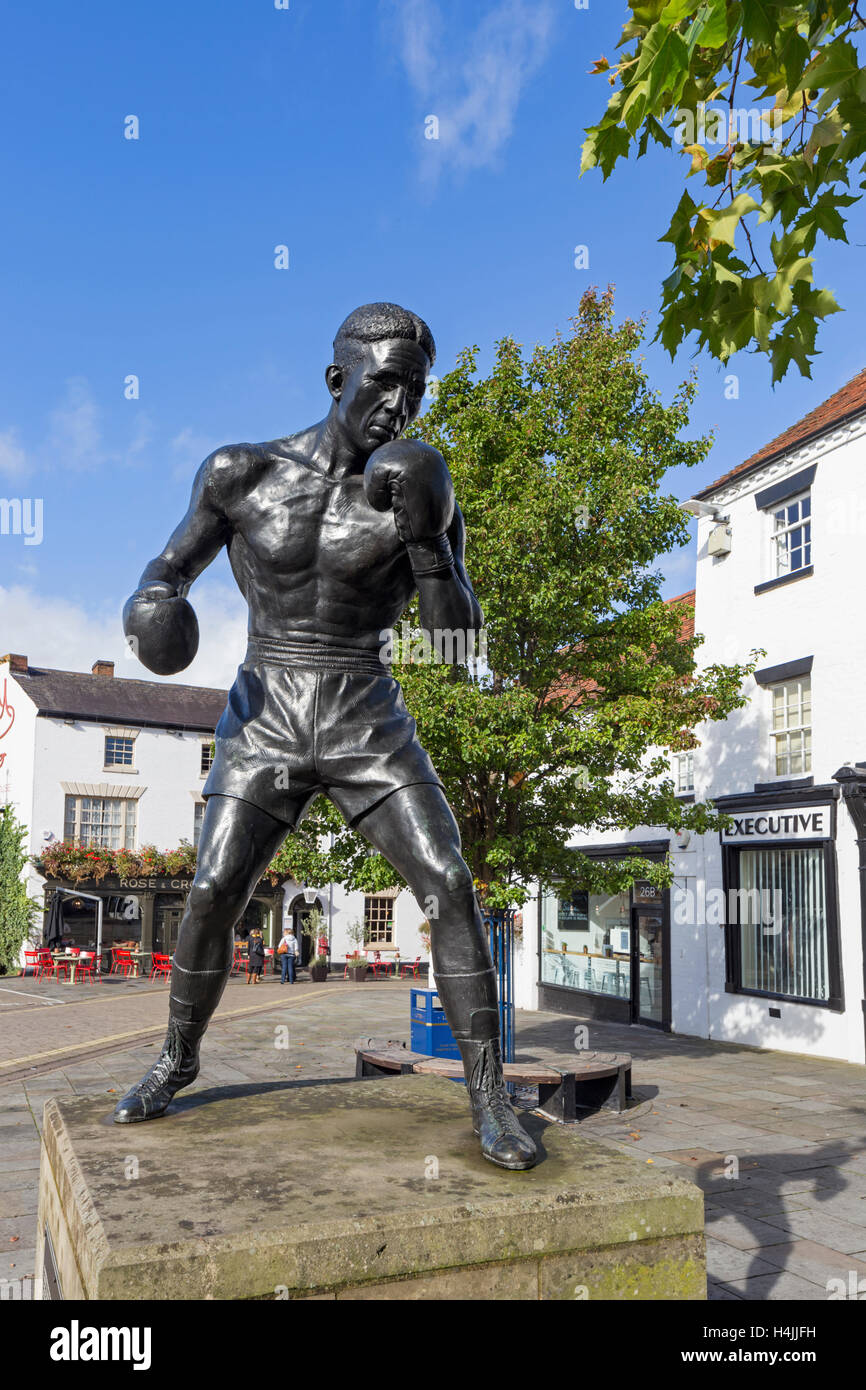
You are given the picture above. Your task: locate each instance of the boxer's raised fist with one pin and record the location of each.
(161, 629)
(413, 479)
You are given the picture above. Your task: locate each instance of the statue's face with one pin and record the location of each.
(382, 393)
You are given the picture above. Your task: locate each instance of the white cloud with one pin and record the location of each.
(75, 438)
(473, 86)
(191, 450)
(13, 461)
(142, 434)
(58, 634)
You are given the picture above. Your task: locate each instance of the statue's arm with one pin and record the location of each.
(446, 599)
(201, 534)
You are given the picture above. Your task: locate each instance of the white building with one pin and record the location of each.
(775, 570)
(102, 761)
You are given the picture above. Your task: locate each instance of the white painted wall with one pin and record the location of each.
(17, 735)
(17, 774)
(810, 617)
(167, 765)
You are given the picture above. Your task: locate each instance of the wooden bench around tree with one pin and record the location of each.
(594, 1080)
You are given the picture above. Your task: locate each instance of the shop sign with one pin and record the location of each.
(646, 892)
(787, 823)
(182, 885)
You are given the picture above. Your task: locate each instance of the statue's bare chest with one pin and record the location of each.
(295, 521)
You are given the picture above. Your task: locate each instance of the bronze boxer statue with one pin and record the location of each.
(329, 533)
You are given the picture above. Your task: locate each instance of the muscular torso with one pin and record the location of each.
(311, 556)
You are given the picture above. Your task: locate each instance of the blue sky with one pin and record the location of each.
(303, 127)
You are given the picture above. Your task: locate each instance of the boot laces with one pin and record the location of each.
(487, 1086)
(167, 1062)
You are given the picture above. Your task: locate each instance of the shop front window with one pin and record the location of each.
(783, 922)
(586, 943)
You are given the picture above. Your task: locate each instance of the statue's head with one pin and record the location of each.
(382, 357)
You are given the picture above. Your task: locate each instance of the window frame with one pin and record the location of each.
(369, 941)
(805, 523)
(689, 757)
(122, 765)
(786, 730)
(129, 821)
(733, 944)
(207, 752)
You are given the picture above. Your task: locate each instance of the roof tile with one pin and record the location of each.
(73, 695)
(848, 401)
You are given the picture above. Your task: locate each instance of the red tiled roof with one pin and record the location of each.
(848, 401)
(687, 624)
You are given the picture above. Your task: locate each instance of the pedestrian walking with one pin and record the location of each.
(288, 954)
(256, 960)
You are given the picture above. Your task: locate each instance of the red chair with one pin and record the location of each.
(123, 963)
(239, 961)
(160, 965)
(46, 962)
(85, 968)
(410, 969)
(52, 967)
(32, 961)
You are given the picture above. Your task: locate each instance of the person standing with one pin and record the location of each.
(288, 953)
(256, 961)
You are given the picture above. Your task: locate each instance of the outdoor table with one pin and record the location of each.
(69, 958)
(137, 958)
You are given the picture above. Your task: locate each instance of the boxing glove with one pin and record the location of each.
(412, 479)
(161, 629)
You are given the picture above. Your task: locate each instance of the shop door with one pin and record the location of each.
(166, 922)
(649, 966)
(300, 917)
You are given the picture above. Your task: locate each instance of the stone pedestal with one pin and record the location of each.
(359, 1189)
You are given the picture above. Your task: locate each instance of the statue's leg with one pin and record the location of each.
(238, 841)
(414, 828)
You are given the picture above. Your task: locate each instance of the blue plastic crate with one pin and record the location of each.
(429, 1031)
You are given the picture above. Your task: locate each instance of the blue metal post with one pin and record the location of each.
(500, 928)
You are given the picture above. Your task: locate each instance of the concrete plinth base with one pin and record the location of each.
(365, 1189)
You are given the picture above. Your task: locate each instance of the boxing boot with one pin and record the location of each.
(503, 1141)
(175, 1067)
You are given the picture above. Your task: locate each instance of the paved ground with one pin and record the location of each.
(777, 1142)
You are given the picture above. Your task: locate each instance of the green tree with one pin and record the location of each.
(16, 908)
(685, 76)
(558, 461)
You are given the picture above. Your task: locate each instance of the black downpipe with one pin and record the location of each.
(852, 781)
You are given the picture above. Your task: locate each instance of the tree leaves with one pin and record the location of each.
(788, 168)
(721, 224)
(17, 910)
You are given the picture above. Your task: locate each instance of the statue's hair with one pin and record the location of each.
(374, 323)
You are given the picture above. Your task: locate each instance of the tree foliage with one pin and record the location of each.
(792, 174)
(16, 908)
(558, 459)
